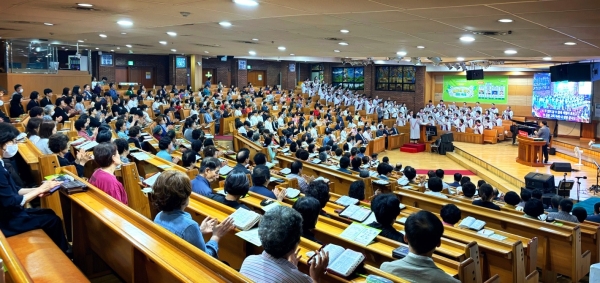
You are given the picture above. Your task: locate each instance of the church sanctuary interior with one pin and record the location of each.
(278, 141)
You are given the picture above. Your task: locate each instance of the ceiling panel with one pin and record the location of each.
(565, 19)
(338, 6)
(581, 32)
(547, 6)
(416, 27)
(455, 12)
(379, 17)
(488, 23)
(412, 4)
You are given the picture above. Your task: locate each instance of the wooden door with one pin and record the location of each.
(148, 76)
(121, 74)
(135, 75)
(257, 78)
(213, 79)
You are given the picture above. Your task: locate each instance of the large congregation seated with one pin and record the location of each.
(117, 122)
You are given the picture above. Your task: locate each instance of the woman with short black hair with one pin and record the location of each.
(14, 217)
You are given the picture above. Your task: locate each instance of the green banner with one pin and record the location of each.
(492, 89)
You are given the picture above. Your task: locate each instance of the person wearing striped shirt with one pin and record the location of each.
(279, 231)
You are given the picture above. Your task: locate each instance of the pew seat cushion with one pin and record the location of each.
(43, 260)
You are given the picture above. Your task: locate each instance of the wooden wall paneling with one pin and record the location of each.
(39, 82)
(121, 74)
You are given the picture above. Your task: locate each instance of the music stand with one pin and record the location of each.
(596, 188)
(430, 131)
(565, 187)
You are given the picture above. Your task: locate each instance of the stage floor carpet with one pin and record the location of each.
(499, 159)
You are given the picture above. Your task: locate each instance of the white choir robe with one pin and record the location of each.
(478, 129)
(400, 121)
(470, 123)
(446, 126)
(494, 110)
(415, 129)
(498, 122)
(507, 115)
(461, 128)
(488, 125)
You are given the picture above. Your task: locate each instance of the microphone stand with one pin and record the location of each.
(579, 185)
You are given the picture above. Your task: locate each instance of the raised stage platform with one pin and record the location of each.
(496, 164)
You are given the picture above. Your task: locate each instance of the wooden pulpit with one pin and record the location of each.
(530, 152)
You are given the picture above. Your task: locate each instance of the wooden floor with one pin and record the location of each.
(577, 142)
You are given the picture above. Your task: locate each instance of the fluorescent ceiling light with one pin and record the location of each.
(125, 23)
(206, 52)
(344, 31)
(401, 53)
(505, 20)
(80, 40)
(84, 5)
(460, 59)
(420, 46)
(128, 45)
(336, 50)
(97, 48)
(570, 43)
(173, 50)
(252, 52)
(292, 54)
(407, 59)
(163, 42)
(467, 39)
(123, 33)
(171, 33)
(49, 24)
(246, 2)
(510, 52)
(255, 39)
(379, 62)
(547, 58)
(225, 24)
(112, 50)
(343, 43)
(118, 47)
(281, 48)
(102, 35)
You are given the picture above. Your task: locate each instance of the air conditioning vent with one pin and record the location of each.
(142, 45)
(25, 22)
(9, 29)
(492, 33)
(89, 9)
(205, 45)
(245, 42)
(333, 39)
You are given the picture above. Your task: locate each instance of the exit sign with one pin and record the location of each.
(249, 67)
(129, 63)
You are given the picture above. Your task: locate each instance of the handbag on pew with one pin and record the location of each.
(73, 187)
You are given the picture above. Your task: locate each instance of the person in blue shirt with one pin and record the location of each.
(207, 117)
(384, 170)
(121, 129)
(344, 163)
(209, 172)
(172, 192)
(260, 178)
(166, 147)
(113, 92)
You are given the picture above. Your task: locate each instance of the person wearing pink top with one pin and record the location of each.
(107, 157)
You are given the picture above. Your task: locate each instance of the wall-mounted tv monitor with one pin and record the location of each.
(565, 101)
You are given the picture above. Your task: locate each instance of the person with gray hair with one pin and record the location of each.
(48, 112)
(256, 138)
(279, 231)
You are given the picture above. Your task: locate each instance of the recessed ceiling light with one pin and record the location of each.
(343, 43)
(547, 58)
(97, 48)
(505, 20)
(128, 45)
(251, 52)
(292, 54)
(407, 59)
(206, 52)
(123, 33)
(336, 51)
(420, 46)
(125, 23)
(84, 5)
(467, 39)
(171, 33)
(246, 2)
(173, 50)
(510, 51)
(225, 24)
(80, 40)
(460, 59)
(49, 24)
(102, 35)
(281, 48)
(68, 49)
(401, 53)
(112, 50)
(63, 47)
(344, 31)
(255, 39)
(163, 42)
(118, 47)
(570, 43)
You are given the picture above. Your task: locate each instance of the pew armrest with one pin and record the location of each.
(533, 277)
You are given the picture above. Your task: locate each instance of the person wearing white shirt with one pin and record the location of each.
(478, 128)
(269, 125)
(367, 135)
(344, 134)
(253, 120)
(498, 120)
(461, 127)
(477, 107)
(507, 114)
(446, 125)
(487, 125)
(494, 110)
(237, 112)
(370, 108)
(132, 103)
(358, 105)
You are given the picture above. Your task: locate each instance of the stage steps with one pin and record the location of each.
(492, 175)
(413, 147)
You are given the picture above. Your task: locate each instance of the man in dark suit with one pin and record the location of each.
(392, 131)
(359, 137)
(243, 159)
(46, 100)
(60, 115)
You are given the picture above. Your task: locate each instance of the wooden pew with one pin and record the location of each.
(397, 141)
(240, 142)
(30, 153)
(106, 233)
(559, 248)
(234, 249)
(16, 271)
(224, 128)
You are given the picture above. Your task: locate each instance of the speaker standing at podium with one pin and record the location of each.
(544, 133)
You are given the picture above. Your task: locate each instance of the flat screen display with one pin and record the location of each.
(565, 101)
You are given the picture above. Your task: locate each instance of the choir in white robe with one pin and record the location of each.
(415, 129)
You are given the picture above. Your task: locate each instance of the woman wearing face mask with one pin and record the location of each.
(209, 172)
(14, 218)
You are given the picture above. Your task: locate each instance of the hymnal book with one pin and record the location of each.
(322, 179)
(270, 206)
(401, 220)
(270, 165)
(471, 223)
(313, 155)
(164, 167)
(360, 233)
(355, 213)
(402, 206)
(346, 201)
(225, 170)
(285, 171)
(316, 161)
(381, 182)
(250, 236)
(78, 141)
(342, 262)
(370, 219)
(244, 219)
(491, 234)
(400, 252)
(284, 150)
(86, 145)
(276, 180)
(140, 156)
(292, 193)
(150, 181)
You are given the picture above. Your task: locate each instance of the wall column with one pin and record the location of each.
(196, 72)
